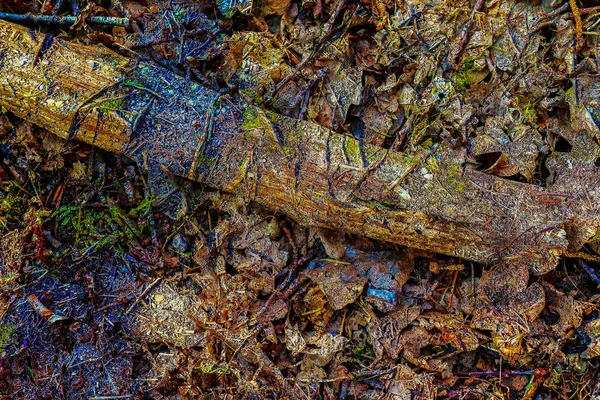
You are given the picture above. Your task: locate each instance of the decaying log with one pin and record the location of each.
(423, 198)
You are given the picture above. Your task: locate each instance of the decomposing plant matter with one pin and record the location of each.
(426, 196)
(166, 266)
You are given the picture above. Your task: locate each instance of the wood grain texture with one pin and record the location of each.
(59, 86)
(424, 197)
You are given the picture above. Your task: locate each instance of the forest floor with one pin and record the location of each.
(107, 293)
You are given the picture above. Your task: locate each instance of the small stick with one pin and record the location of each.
(557, 11)
(150, 286)
(580, 254)
(496, 373)
(57, 7)
(374, 372)
(585, 11)
(453, 287)
(553, 194)
(578, 25)
(65, 20)
(465, 33)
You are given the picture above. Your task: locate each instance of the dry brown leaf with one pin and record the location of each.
(385, 332)
(341, 282)
(506, 306)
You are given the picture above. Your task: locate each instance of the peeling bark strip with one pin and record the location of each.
(421, 198)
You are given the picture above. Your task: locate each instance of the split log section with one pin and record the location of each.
(422, 198)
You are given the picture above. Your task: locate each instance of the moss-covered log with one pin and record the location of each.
(424, 197)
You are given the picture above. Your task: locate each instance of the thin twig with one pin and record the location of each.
(142, 295)
(505, 372)
(589, 10)
(582, 255)
(578, 25)
(557, 11)
(65, 20)
(465, 34)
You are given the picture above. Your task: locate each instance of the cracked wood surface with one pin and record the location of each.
(423, 197)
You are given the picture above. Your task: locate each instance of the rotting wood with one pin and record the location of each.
(422, 198)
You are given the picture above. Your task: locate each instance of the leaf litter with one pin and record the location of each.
(104, 293)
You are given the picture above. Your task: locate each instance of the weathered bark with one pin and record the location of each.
(53, 97)
(422, 198)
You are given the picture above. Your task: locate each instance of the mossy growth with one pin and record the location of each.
(379, 205)
(206, 162)
(352, 150)
(288, 151)
(364, 349)
(454, 178)
(253, 120)
(6, 330)
(95, 227)
(272, 229)
(432, 165)
(12, 205)
(112, 59)
(419, 131)
(6, 277)
(528, 109)
(257, 100)
(464, 77)
(112, 104)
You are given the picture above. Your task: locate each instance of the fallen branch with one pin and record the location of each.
(298, 168)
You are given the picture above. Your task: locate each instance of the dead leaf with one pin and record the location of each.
(341, 282)
(453, 330)
(44, 311)
(273, 7)
(322, 351)
(293, 339)
(506, 306)
(570, 311)
(385, 332)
